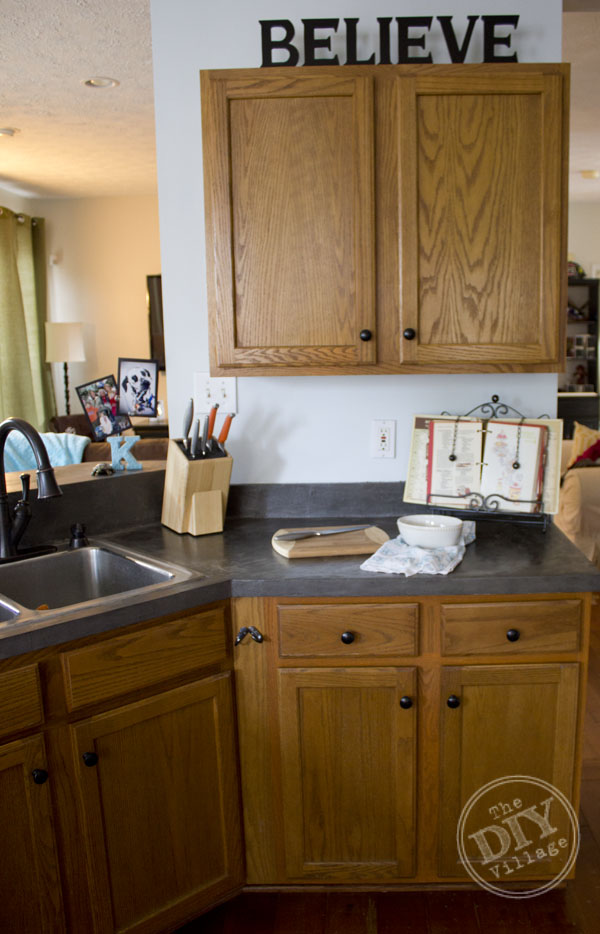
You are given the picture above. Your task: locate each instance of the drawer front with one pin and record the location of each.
(20, 700)
(368, 629)
(142, 659)
(511, 628)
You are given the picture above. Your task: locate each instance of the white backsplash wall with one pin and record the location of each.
(298, 429)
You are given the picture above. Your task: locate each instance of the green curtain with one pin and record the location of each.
(25, 378)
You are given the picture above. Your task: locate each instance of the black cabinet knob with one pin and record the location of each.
(513, 635)
(39, 776)
(406, 702)
(453, 701)
(365, 335)
(347, 638)
(90, 759)
(409, 334)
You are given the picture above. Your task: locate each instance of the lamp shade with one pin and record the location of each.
(64, 342)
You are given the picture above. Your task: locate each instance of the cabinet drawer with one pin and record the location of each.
(511, 628)
(374, 630)
(20, 700)
(141, 659)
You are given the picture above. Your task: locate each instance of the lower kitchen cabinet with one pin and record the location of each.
(348, 743)
(30, 891)
(160, 801)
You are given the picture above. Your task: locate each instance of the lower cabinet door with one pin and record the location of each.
(160, 803)
(30, 896)
(348, 773)
(499, 721)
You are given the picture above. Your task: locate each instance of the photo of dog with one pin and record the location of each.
(137, 386)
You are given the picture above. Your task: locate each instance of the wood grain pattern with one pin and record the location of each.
(361, 542)
(544, 626)
(289, 189)
(30, 895)
(162, 826)
(143, 658)
(348, 772)
(306, 631)
(20, 699)
(196, 492)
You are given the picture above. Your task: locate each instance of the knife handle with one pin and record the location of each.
(225, 429)
(188, 415)
(211, 419)
(194, 441)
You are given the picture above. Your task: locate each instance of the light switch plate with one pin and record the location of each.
(210, 389)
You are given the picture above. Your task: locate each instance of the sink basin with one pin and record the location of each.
(70, 579)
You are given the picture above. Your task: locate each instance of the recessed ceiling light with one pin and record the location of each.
(8, 130)
(590, 173)
(98, 82)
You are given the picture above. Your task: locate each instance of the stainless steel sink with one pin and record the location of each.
(100, 573)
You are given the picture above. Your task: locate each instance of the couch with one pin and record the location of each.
(579, 505)
(146, 449)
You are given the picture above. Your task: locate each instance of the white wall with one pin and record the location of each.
(17, 203)
(297, 429)
(584, 235)
(101, 251)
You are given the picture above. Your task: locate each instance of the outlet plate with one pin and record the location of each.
(210, 389)
(383, 437)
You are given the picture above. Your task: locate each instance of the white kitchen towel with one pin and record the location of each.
(396, 557)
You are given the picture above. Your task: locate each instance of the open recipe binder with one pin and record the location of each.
(509, 465)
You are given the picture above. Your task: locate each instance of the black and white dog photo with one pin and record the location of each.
(137, 387)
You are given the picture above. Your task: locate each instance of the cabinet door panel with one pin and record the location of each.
(162, 804)
(512, 720)
(481, 169)
(348, 770)
(30, 898)
(289, 200)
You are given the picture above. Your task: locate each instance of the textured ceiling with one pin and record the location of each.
(76, 141)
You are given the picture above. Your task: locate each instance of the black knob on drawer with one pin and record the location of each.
(513, 635)
(347, 638)
(90, 759)
(406, 702)
(39, 776)
(409, 334)
(365, 335)
(453, 701)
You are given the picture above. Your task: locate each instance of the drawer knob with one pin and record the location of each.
(365, 335)
(453, 701)
(409, 334)
(347, 638)
(90, 759)
(406, 702)
(39, 776)
(513, 635)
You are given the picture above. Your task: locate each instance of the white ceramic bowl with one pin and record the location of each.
(430, 531)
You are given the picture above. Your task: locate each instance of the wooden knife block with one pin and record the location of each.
(196, 491)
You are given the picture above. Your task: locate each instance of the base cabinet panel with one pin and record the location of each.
(159, 795)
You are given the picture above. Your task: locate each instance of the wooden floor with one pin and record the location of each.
(574, 909)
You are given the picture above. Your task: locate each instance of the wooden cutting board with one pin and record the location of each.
(361, 542)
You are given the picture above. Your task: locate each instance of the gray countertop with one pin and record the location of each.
(505, 558)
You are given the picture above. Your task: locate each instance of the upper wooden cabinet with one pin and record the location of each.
(377, 219)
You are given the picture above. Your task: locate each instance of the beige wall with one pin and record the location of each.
(100, 251)
(584, 235)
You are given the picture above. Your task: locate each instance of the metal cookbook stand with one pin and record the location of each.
(489, 508)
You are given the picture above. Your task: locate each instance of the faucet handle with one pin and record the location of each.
(25, 479)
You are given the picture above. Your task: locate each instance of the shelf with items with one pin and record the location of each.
(579, 384)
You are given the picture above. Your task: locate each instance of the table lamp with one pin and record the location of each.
(64, 344)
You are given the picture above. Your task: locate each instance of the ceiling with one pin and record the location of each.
(79, 142)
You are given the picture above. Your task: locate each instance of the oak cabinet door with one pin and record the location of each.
(482, 218)
(348, 773)
(30, 894)
(503, 720)
(160, 801)
(288, 164)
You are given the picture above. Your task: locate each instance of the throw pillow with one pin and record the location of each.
(583, 438)
(590, 456)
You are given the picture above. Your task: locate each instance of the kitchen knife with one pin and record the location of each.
(204, 438)
(188, 415)
(225, 428)
(310, 533)
(211, 419)
(194, 441)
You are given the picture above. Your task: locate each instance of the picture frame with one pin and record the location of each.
(100, 402)
(138, 386)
